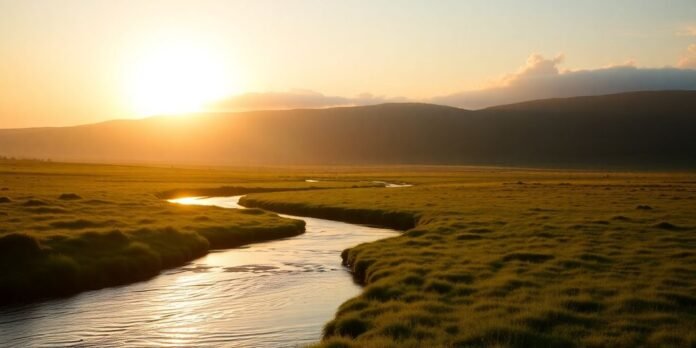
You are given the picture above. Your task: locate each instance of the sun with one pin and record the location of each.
(176, 78)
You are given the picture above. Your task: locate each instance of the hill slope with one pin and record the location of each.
(644, 129)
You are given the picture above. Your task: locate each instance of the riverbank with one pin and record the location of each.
(84, 248)
(67, 228)
(398, 220)
(552, 259)
(269, 294)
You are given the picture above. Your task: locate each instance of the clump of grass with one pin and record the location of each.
(510, 336)
(35, 203)
(595, 258)
(69, 197)
(583, 306)
(439, 287)
(4, 199)
(527, 257)
(47, 210)
(381, 293)
(668, 226)
(347, 326)
(20, 247)
(79, 224)
(95, 259)
(232, 236)
(469, 236)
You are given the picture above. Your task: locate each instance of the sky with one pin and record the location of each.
(74, 62)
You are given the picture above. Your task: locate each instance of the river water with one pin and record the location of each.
(272, 294)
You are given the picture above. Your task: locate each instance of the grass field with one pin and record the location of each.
(516, 258)
(65, 228)
(489, 257)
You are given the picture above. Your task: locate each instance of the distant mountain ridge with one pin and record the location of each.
(639, 129)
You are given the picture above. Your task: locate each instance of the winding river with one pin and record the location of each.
(272, 294)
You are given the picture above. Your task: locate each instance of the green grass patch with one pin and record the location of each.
(489, 256)
(65, 228)
(516, 258)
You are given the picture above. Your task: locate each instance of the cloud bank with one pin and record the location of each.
(688, 61)
(542, 78)
(539, 78)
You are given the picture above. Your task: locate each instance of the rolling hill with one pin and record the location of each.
(632, 130)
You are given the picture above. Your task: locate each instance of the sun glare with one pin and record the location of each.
(176, 78)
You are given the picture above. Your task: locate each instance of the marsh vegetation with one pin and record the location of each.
(268, 294)
(488, 256)
(65, 228)
(517, 258)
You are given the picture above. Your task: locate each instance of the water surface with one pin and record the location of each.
(272, 294)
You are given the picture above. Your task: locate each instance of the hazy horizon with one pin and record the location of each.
(94, 61)
(192, 117)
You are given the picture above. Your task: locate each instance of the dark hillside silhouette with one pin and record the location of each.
(642, 129)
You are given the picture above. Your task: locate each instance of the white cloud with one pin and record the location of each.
(538, 78)
(688, 61)
(536, 66)
(542, 78)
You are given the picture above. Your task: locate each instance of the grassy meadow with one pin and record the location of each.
(65, 228)
(488, 257)
(516, 258)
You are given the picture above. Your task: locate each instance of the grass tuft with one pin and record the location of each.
(348, 326)
(527, 257)
(69, 197)
(19, 247)
(35, 203)
(668, 226)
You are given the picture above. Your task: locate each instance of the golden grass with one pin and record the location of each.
(517, 258)
(65, 228)
(489, 257)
